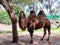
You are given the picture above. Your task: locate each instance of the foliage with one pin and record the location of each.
(4, 17)
(17, 8)
(22, 1)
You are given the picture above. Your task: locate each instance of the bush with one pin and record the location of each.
(51, 16)
(4, 17)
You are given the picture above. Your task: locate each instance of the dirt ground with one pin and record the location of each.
(24, 38)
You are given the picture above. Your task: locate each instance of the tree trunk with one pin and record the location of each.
(14, 31)
(10, 10)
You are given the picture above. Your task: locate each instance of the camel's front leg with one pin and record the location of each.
(31, 34)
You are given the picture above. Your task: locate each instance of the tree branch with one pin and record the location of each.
(5, 6)
(10, 5)
(11, 9)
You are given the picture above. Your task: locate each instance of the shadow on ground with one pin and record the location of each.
(6, 39)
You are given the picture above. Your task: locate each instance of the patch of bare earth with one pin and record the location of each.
(24, 38)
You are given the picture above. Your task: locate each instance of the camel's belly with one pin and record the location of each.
(39, 25)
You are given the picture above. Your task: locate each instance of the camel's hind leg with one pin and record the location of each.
(44, 33)
(48, 34)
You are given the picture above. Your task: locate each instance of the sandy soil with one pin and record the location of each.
(24, 38)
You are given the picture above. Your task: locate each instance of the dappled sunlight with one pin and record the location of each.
(24, 39)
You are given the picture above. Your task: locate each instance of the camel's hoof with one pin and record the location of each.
(41, 39)
(47, 39)
(31, 42)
